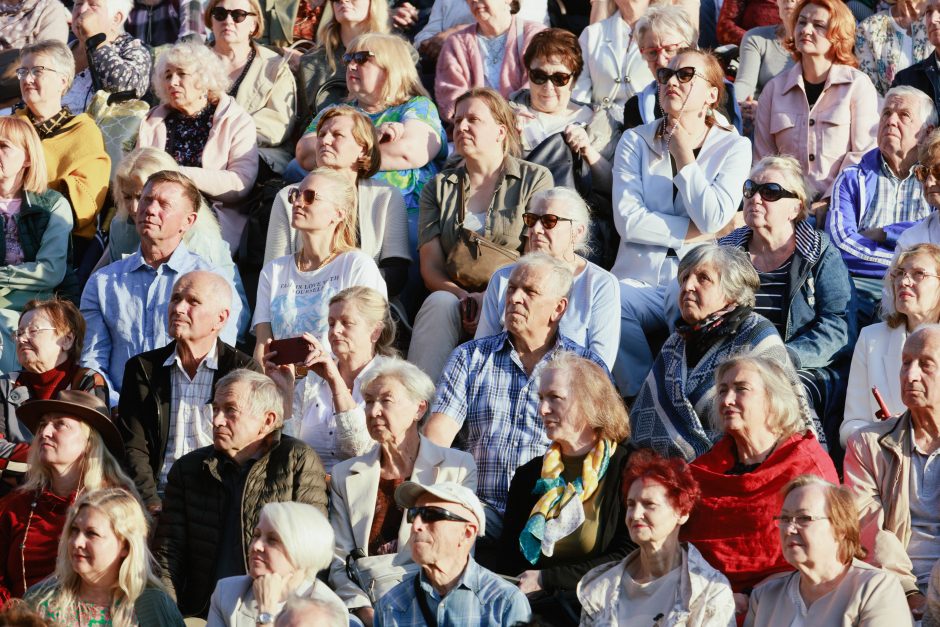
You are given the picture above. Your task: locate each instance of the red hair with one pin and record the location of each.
(841, 31)
(673, 474)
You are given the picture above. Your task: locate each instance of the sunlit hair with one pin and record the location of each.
(398, 58)
(928, 111)
(254, 7)
(21, 133)
(841, 33)
(363, 131)
(260, 392)
(175, 177)
(555, 43)
(65, 317)
(299, 609)
(842, 512)
(196, 59)
(661, 19)
(737, 277)
(59, 56)
(783, 401)
(594, 395)
(305, 533)
(559, 278)
(712, 70)
(501, 112)
(577, 210)
(929, 153)
(138, 568)
(417, 384)
(120, 6)
(328, 30)
(673, 474)
(343, 195)
(791, 172)
(892, 317)
(373, 307)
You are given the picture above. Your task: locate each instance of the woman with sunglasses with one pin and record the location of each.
(677, 184)
(373, 547)
(805, 289)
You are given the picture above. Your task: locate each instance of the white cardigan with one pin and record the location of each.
(647, 218)
(233, 601)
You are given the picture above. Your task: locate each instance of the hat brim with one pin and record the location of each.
(408, 493)
(31, 413)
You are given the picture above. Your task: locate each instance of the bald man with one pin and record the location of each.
(164, 411)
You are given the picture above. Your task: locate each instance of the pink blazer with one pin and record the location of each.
(460, 65)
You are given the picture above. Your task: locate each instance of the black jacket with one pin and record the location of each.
(144, 411)
(923, 76)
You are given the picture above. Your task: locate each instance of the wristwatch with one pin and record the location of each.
(264, 618)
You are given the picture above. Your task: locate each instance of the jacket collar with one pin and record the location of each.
(648, 133)
(511, 168)
(898, 438)
(838, 74)
(808, 240)
(214, 457)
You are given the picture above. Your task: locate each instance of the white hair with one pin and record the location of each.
(305, 533)
(928, 111)
(577, 209)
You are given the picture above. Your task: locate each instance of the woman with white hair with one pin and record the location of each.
(290, 545)
(205, 130)
(558, 222)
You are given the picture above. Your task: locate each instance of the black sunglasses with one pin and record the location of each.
(558, 79)
(771, 192)
(432, 514)
(359, 57)
(548, 220)
(683, 74)
(307, 196)
(238, 16)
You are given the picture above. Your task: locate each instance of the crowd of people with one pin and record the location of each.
(447, 313)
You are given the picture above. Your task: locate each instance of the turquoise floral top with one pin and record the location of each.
(409, 182)
(83, 615)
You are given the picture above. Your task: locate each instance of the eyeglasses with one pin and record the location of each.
(651, 54)
(771, 192)
(36, 71)
(802, 521)
(30, 332)
(306, 196)
(683, 74)
(920, 171)
(916, 276)
(432, 514)
(359, 57)
(238, 16)
(548, 220)
(558, 79)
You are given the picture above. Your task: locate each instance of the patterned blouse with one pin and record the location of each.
(186, 136)
(878, 47)
(85, 615)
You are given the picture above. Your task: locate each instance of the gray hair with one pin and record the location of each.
(669, 17)
(561, 278)
(737, 276)
(197, 58)
(311, 612)
(578, 211)
(418, 385)
(120, 6)
(793, 179)
(927, 328)
(305, 532)
(263, 394)
(783, 400)
(928, 111)
(59, 55)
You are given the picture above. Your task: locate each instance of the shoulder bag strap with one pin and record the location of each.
(429, 618)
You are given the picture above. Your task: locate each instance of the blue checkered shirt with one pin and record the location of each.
(485, 385)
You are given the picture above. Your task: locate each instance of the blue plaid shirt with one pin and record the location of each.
(479, 598)
(485, 383)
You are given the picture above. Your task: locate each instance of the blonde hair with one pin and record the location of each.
(398, 58)
(196, 58)
(21, 132)
(344, 238)
(372, 306)
(783, 400)
(328, 30)
(892, 317)
(842, 512)
(597, 400)
(502, 113)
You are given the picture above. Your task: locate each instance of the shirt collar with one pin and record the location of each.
(175, 262)
(469, 579)
(210, 361)
(886, 171)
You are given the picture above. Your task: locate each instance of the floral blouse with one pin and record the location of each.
(878, 48)
(186, 136)
(85, 615)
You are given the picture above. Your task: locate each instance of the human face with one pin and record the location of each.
(235, 424)
(812, 30)
(440, 541)
(531, 302)
(366, 80)
(48, 87)
(785, 10)
(94, 14)
(337, 147)
(349, 332)
(322, 213)
(13, 165)
(184, 91)
(228, 30)
(564, 423)
(350, 12)
(695, 95)
(815, 544)
(774, 216)
(163, 213)
(390, 410)
(131, 189)
(658, 49)
(559, 240)
(549, 98)
(62, 440)
(489, 11)
(932, 22)
(917, 301)
(701, 294)
(742, 401)
(476, 131)
(920, 367)
(195, 311)
(44, 347)
(95, 550)
(651, 517)
(900, 129)
(266, 552)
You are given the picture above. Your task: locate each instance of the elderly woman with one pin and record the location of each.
(373, 546)
(762, 55)
(77, 165)
(822, 110)
(290, 545)
(912, 298)
(205, 130)
(25, 22)
(891, 40)
(663, 579)
(487, 194)
(260, 79)
(677, 182)
(557, 224)
(487, 53)
(819, 533)
(75, 449)
(104, 573)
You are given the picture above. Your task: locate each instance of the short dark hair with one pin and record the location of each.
(555, 42)
(190, 191)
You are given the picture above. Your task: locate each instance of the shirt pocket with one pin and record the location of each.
(785, 127)
(834, 130)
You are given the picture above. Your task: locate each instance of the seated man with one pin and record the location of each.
(491, 384)
(164, 411)
(214, 494)
(891, 467)
(451, 589)
(125, 303)
(876, 200)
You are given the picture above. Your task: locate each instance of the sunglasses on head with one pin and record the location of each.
(771, 192)
(923, 171)
(548, 220)
(558, 79)
(682, 74)
(432, 514)
(359, 57)
(306, 196)
(238, 15)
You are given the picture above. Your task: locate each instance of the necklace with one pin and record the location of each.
(29, 521)
(301, 262)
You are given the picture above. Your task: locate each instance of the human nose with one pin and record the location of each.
(46, 430)
(544, 407)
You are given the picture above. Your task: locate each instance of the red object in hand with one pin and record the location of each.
(883, 413)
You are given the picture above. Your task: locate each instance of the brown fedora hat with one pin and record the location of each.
(79, 405)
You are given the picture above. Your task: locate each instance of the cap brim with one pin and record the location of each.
(30, 414)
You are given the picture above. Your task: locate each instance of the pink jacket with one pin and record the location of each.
(460, 65)
(834, 134)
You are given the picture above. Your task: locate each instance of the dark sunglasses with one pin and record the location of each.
(683, 74)
(771, 192)
(238, 16)
(558, 79)
(923, 171)
(359, 57)
(548, 220)
(307, 196)
(432, 514)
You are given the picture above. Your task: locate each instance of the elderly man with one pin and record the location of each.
(891, 466)
(876, 200)
(125, 303)
(214, 494)
(925, 75)
(491, 384)
(164, 410)
(451, 589)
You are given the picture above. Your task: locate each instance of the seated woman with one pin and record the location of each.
(487, 193)
(912, 298)
(373, 546)
(818, 529)
(205, 130)
(346, 141)
(75, 449)
(663, 579)
(557, 221)
(564, 514)
(762, 56)
(261, 80)
(104, 574)
(805, 289)
(891, 40)
(290, 545)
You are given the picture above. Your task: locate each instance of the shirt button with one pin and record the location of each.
(812, 122)
(616, 80)
(812, 157)
(606, 100)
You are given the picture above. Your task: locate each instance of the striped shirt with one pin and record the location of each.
(772, 295)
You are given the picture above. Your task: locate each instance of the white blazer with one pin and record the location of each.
(233, 601)
(614, 69)
(353, 489)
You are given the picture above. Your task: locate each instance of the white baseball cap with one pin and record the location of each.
(409, 492)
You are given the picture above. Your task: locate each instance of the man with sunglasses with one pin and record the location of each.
(451, 589)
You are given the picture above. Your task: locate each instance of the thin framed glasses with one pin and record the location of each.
(359, 57)
(30, 332)
(558, 79)
(682, 74)
(432, 514)
(306, 196)
(916, 276)
(36, 71)
(548, 220)
(651, 54)
(771, 192)
(238, 15)
(920, 171)
(802, 520)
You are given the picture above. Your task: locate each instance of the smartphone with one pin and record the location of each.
(291, 350)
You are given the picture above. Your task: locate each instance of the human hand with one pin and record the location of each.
(682, 142)
(748, 109)
(404, 16)
(390, 132)
(272, 589)
(577, 139)
(876, 234)
(319, 359)
(530, 581)
(366, 615)
(918, 603)
(87, 24)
